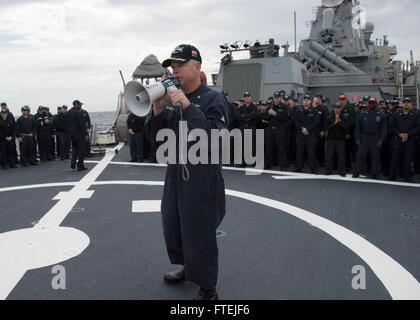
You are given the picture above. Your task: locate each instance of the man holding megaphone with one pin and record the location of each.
(192, 208)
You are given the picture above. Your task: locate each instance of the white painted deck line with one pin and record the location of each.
(146, 206)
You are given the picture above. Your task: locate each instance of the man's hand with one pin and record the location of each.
(358, 142)
(177, 96)
(8, 139)
(348, 136)
(159, 105)
(337, 119)
(271, 112)
(305, 131)
(322, 134)
(130, 131)
(30, 135)
(86, 138)
(404, 137)
(20, 140)
(379, 144)
(47, 121)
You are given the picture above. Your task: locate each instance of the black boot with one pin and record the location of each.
(175, 277)
(203, 294)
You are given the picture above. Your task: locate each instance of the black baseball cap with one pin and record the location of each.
(366, 98)
(64, 107)
(263, 103)
(77, 102)
(4, 111)
(41, 108)
(319, 96)
(3, 104)
(307, 96)
(236, 103)
(241, 100)
(407, 100)
(287, 98)
(337, 105)
(25, 108)
(277, 94)
(247, 94)
(296, 100)
(59, 107)
(183, 53)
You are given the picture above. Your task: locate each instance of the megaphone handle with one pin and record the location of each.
(185, 171)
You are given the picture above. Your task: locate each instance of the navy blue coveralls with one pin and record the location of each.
(279, 130)
(193, 209)
(7, 153)
(248, 116)
(371, 127)
(25, 126)
(44, 131)
(348, 114)
(136, 124)
(78, 132)
(63, 136)
(311, 120)
(401, 123)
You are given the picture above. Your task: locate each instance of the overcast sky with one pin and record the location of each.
(52, 52)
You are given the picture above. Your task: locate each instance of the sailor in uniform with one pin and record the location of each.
(307, 122)
(370, 133)
(193, 201)
(26, 131)
(404, 128)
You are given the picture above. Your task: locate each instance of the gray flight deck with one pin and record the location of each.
(265, 252)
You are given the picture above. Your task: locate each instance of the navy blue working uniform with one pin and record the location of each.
(193, 209)
(63, 137)
(7, 148)
(88, 125)
(44, 132)
(320, 146)
(403, 152)
(136, 124)
(348, 114)
(309, 119)
(292, 139)
(371, 127)
(78, 133)
(248, 116)
(386, 148)
(26, 131)
(279, 126)
(336, 132)
(263, 124)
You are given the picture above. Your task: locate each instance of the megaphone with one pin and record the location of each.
(139, 98)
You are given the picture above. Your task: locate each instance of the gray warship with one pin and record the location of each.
(340, 56)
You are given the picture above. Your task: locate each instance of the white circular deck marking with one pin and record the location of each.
(46, 243)
(28, 249)
(400, 284)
